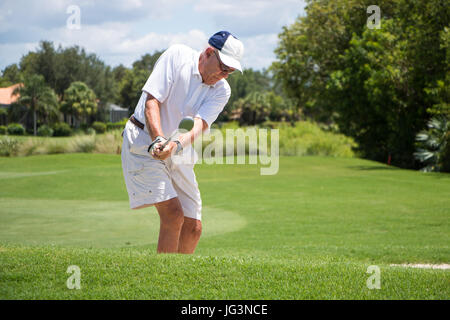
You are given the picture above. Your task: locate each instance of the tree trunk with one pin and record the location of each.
(34, 122)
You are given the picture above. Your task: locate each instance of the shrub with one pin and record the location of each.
(45, 131)
(116, 125)
(61, 129)
(432, 144)
(82, 144)
(3, 129)
(8, 147)
(16, 129)
(99, 127)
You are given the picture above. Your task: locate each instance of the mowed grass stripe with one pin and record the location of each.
(93, 223)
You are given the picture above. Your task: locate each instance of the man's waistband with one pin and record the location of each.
(136, 122)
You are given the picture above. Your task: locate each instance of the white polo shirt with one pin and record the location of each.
(176, 82)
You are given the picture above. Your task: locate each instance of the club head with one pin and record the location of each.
(186, 123)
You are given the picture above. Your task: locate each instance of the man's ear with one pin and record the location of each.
(209, 51)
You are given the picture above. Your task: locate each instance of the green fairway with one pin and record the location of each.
(309, 232)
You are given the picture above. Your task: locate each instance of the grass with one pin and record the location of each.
(309, 232)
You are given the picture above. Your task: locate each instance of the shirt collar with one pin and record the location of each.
(195, 69)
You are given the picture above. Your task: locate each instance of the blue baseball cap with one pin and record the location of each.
(230, 49)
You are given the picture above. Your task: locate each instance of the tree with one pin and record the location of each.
(63, 66)
(242, 85)
(37, 97)
(11, 75)
(79, 101)
(132, 80)
(130, 88)
(379, 85)
(258, 107)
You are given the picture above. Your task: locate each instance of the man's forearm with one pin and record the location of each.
(188, 138)
(152, 117)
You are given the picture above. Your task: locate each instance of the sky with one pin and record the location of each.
(121, 31)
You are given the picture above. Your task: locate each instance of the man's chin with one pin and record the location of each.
(211, 82)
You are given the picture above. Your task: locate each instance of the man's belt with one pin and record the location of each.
(137, 123)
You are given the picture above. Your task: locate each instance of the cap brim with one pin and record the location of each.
(230, 62)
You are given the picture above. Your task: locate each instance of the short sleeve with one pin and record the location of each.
(213, 106)
(161, 79)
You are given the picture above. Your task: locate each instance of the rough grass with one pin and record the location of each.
(303, 139)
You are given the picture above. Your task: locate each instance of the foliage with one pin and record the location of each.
(242, 85)
(131, 81)
(45, 131)
(38, 98)
(3, 129)
(62, 66)
(303, 138)
(11, 75)
(61, 129)
(433, 145)
(116, 125)
(379, 85)
(79, 101)
(99, 127)
(8, 146)
(258, 107)
(16, 129)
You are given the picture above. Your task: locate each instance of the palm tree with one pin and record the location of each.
(37, 97)
(79, 101)
(433, 143)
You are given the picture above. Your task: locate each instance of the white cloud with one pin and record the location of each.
(251, 17)
(115, 29)
(259, 51)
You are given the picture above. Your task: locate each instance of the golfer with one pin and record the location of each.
(183, 83)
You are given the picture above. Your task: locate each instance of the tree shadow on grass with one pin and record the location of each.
(372, 168)
(436, 175)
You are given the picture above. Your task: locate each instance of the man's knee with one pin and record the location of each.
(171, 215)
(194, 227)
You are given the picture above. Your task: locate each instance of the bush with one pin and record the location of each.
(61, 129)
(116, 125)
(446, 155)
(3, 129)
(8, 147)
(16, 129)
(45, 131)
(99, 127)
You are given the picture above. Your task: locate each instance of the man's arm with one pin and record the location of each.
(185, 139)
(188, 138)
(152, 117)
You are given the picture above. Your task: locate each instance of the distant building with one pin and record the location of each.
(7, 96)
(116, 113)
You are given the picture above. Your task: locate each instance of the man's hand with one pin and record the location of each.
(163, 154)
(152, 146)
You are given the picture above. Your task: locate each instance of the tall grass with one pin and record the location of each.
(302, 139)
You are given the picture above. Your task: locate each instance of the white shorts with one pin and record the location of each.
(150, 181)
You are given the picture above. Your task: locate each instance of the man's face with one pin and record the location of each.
(213, 69)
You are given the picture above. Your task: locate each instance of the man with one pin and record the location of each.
(183, 83)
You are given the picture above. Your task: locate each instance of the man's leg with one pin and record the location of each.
(190, 235)
(171, 222)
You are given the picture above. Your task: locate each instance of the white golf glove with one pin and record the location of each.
(159, 139)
